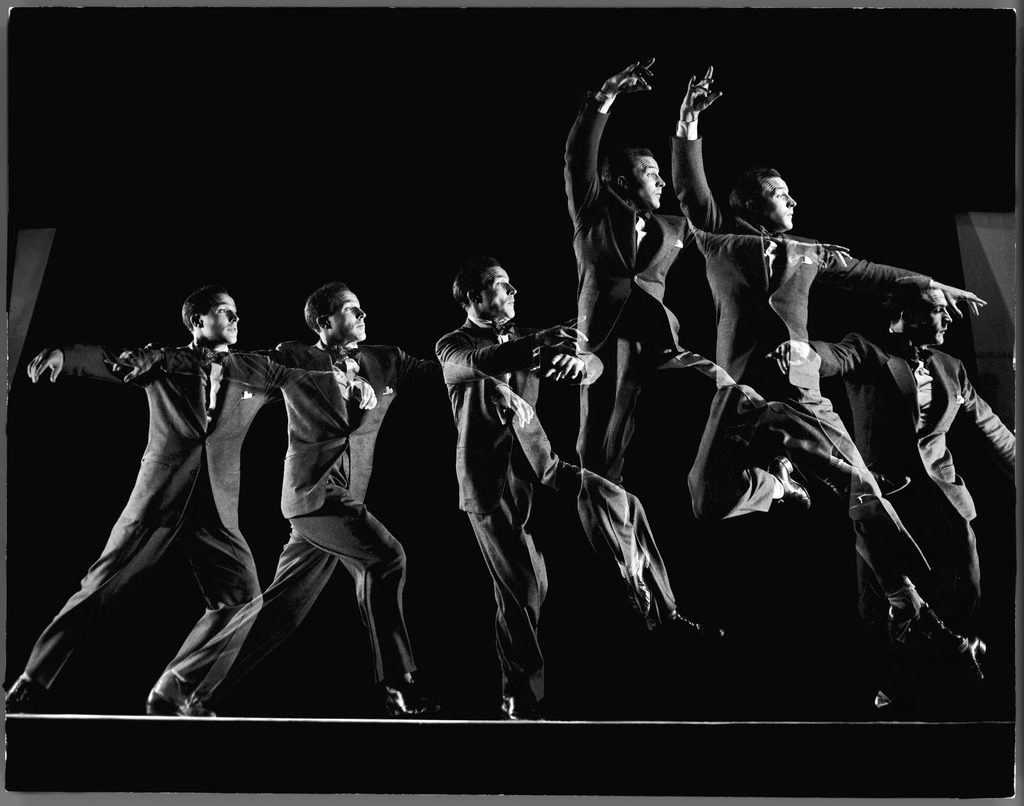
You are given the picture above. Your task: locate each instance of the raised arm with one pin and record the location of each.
(691, 185)
(582, 183)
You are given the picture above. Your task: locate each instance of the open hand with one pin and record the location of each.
(49, 359)
(954, 296)
(698, 97)
(564, 336)
(790, 353)
(512, 407)
(141, 360)
(566, 365)
(363, 393)
(635, 78)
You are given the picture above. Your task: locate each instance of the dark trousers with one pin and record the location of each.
(341, 532)
(221, 563)
(744, 431)
(614, 524)
(608, 406)
(953, 586)
(520, 582)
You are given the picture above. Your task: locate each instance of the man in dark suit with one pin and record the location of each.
(624, 250)
(186, 491)
(760, 277)
(332, 435)
(501, 459)
(905, 397)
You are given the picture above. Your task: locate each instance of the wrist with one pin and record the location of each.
(686, 129)
(604, 99)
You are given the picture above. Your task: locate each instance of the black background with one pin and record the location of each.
(273, 150)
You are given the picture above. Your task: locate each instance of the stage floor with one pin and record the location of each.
(102, 753)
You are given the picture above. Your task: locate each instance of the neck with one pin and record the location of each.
(483, 322)
(198, 342)
(335, 343)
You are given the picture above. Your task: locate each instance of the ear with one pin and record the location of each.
(196, 320)
(323, 322)
(622, 185)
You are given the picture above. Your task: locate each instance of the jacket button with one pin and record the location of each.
(193, 473)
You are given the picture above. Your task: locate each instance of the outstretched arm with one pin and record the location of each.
(691, 185)
(95, 361)
(461, 359)
(839, 268)
(582, 184)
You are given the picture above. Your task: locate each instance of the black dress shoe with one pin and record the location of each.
(24, 696)
(792, 491)
(406, 698)
(161, 705)
(167, 699)
(926, 638)
(680, 626)
(518, 709)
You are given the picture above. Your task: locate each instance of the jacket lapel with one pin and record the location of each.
(623, 225)
(228, 394)
(320, 361)
(899, 368)
(652, 244)
(191, 387)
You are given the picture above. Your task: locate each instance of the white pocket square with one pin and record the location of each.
(679, 243)
(247, 395)
(960, 399)
(388, 391)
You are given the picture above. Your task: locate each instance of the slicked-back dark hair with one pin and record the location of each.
(748, 188)
(199, 302)
(620, 162)
(895, 305)
(324, 302)
(469, 277)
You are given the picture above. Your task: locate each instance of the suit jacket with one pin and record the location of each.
(883, 397)
(181, 438)
(474, 364)
(604, 236)
(760, 289)
(329, 438)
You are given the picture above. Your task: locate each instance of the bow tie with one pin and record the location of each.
(337, 352)
(505, 328)
(902, 346)
(208, 356)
